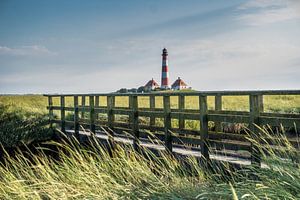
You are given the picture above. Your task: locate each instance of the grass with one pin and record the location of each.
(22, 116)
(92, 173)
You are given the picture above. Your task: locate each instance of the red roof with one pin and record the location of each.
(152, 83)
(179, 82)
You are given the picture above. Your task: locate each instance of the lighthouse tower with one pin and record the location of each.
(165, 72)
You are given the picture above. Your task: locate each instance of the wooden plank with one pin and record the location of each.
(167, 122)
(134, 118)
(196, 93)
(187, 140)
(228, 118)
(228, 136)
(110, 106)
(185, 115)
(218, 107)
(96, 106)
(277, 121)
(83, 105)
(229, 112)
(51, 116)
(110, 120)
(92, 114)
(154, 114)
(203, 126)
(229, 145)
(76, 117)
(152, 107)
(124, 111)
(62, 114)
(261, 102)
(181, 107)
(253, 123)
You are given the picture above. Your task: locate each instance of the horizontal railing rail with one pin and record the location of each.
(94, 111)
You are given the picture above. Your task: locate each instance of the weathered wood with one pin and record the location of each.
(62, 114)
(76, 117)
(152, 107)
(203, 126)
(51, 116)
(218, 107)
(228, 118)
(196, 93)
(261, 102)
(216, 139)
(110, 120)
(83, 105)
(97, 105)
(181, 107)
(134, 118)
(255, 109)
(110, 115)
(167, 122)
(92, 114)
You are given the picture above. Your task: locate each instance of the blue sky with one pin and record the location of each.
(101, 46)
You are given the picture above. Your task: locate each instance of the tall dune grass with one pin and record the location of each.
(92, 173)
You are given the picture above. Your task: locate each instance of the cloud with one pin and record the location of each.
(32, 50)
(261, 12)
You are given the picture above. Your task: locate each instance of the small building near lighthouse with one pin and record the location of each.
(179, 84)
(151, 85)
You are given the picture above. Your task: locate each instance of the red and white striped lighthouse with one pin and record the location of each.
(165, 71)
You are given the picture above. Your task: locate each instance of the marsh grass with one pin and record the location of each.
(90, 172)
(83, 172)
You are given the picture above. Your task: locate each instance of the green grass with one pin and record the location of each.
(22, 116)
(91, 173)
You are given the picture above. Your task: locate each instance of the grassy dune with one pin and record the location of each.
(91, 173)
(21, 116)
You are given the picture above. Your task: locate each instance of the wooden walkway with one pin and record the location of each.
(93, 114)
(181, 150)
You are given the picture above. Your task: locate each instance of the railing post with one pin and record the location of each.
(218, 107)
(167, 122)
(97, 105)
(255, 109)
(134, 118)
(92, 114)
(62, 114)
(50, 104)
(203, 126)
(83, 106)
(76, 117)
(261, 102)
(152, 108)
(181, 107)
(110, 116)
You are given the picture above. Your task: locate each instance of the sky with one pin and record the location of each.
(64, 46)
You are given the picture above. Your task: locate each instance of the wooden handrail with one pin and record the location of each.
(254, 117)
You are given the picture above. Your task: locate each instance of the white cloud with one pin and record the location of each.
(260, 12)
(26, 50)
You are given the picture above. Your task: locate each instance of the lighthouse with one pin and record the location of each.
(165, 71)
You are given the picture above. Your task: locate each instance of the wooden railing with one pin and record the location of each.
(203, 138)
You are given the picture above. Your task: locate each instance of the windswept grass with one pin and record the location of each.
(92, 173)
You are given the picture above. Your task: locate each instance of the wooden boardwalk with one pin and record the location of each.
(204, 142)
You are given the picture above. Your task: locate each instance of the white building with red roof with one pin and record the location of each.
(179, 84)
(151, 85)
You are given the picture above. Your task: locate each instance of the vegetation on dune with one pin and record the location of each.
(23, 117)
(92, 173)
(19, 126)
